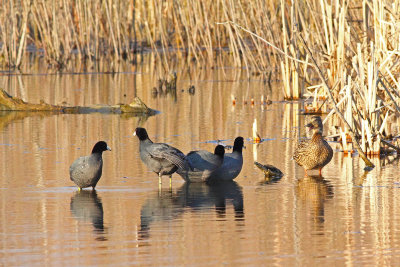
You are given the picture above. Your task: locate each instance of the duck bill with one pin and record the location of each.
(309, 126)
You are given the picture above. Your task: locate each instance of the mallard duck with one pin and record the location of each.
(314, 153)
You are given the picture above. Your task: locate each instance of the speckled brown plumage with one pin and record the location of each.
(314, 153)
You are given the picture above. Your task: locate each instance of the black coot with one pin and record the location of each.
(160, 158)
(86, 171)
(203, 164)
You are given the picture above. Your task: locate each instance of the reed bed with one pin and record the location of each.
(89, 30)
(343, 52)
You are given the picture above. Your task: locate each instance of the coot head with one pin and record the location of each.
(238, 144)
(141, 133)
(219, 150)
(100, 146)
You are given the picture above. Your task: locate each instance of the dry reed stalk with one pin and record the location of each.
(285, 64)
(107, 5)
(96, 29)
(355, 42)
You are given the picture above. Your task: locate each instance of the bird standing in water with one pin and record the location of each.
(232, 164)
(203, 164)
(314, 153)
(86, 171)
(160, 158)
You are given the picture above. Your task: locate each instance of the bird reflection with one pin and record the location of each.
(224, 191)
(86, 206)
(314, 191)
(167, 206)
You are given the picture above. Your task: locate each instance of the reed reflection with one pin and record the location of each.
(197, 197)
(314, 191)
(86, 206)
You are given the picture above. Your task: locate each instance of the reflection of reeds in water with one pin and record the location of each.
(168, 206)
(166, 86)
(313, 191)
(290, 129)
(86, 206)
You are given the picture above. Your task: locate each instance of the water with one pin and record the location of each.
(347, 217)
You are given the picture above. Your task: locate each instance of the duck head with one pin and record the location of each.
(315, 124)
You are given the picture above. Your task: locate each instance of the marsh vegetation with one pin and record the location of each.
(342, 54)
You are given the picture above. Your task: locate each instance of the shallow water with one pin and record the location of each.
(346, 217)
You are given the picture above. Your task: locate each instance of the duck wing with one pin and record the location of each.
(301, 150)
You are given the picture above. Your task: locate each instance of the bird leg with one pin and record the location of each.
(159, 183)
(170, 181)
(79, 189)
(320, 172)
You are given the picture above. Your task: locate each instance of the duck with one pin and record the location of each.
(232, 165)
(203, 164)
(314, 153)
(86, 171)
(160, 158)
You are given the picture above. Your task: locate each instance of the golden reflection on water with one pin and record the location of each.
(345, 217)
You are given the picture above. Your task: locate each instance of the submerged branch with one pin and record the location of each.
(137, 107)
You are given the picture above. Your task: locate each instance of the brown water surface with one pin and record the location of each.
(347, 217)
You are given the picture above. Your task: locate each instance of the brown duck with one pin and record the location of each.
(314, 153)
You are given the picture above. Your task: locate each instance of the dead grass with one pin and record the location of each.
(355, 44)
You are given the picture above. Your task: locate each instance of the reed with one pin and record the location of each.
(354, 43)
(89, 30)
(358, 59)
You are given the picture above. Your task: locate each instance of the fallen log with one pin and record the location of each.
(10, 103)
